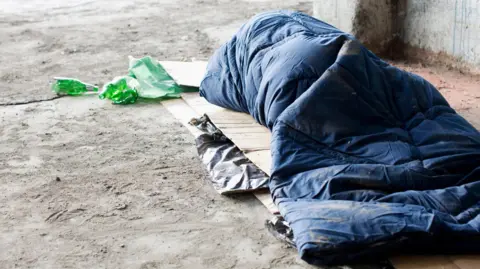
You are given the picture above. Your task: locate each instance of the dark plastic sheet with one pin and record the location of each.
(231, 171)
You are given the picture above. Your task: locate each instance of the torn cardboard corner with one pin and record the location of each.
(188, 74)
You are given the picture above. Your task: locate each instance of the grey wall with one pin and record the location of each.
(369, 20)
(339, 13)
(450, 26)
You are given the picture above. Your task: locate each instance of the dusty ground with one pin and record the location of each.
(85, 184)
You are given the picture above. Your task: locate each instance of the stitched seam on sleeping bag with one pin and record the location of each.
(291, 18)
(410, 141)
(364, 99)
(253, 54)
(359, 96)
(295, 80)
(295, 17)
(270, 46)
(217, 76)
(339, 155)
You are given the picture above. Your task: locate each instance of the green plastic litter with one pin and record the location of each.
(71, 86)
(154, 81)
(146, 79)
(122, 90)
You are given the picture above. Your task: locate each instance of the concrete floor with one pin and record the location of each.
(86, 184)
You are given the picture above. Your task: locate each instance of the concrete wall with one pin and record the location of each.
(339, 13)
(371, 21)
(450, 26)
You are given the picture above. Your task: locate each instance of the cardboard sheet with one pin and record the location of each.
(184, 113)
(186, 73)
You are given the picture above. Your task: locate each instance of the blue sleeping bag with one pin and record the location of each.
(368, 159)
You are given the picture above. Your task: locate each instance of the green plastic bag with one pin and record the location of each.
(154, 81)
(146, 79)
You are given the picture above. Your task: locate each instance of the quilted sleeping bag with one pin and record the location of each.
(368, 159)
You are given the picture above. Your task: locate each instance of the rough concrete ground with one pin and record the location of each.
(85, 184)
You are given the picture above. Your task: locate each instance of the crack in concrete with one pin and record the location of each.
(32, 101)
